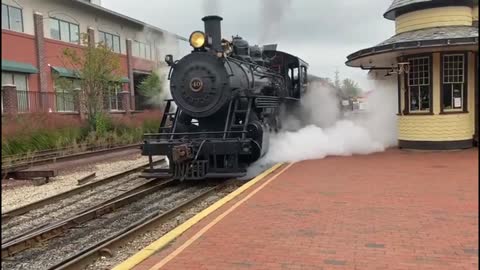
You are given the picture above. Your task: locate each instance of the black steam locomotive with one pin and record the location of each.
(228, 97)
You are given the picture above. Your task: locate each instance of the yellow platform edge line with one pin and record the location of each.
(170, 236)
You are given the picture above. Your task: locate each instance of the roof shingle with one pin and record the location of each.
(446, 32)
(402, 4)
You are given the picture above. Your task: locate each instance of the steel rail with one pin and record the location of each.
(53, 152)
(136, 189)
(87, 255)
(47, 232)
(24, 165)
(55, 198)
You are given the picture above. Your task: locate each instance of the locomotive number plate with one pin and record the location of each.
(196, 84)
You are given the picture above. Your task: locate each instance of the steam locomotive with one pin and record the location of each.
(227, 97)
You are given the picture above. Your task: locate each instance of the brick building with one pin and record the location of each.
(34, 34)
(433, 58)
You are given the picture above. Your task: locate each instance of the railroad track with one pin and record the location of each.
(11, 165)
(78, 239)
(10, 214)
(43, 232)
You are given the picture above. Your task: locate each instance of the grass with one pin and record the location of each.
(30, 133)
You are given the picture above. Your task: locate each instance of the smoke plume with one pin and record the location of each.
(271, 14)
(318, 129)
(211, 7)
(165, 44)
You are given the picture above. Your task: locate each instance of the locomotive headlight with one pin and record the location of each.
(197, 39)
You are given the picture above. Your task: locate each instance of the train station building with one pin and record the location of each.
(35, 33)
(434, 57)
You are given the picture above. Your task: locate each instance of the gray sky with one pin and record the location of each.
(320, 32)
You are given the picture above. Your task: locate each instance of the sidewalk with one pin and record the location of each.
(391, 210)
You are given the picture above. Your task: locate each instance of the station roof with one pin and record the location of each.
(403, 5)
(420, 39)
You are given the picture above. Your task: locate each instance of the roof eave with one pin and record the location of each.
(407, 45)
(129, 19)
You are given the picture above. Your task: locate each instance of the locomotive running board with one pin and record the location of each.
(164, 173)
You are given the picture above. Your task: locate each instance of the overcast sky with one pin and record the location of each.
(321, 32)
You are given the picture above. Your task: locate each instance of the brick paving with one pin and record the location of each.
(391, 210)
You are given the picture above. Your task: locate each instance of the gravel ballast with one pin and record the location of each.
(91, 232)
(67, 207)
(26, 194)
(145, 238)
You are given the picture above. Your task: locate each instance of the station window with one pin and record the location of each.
(453, 82)
(110, 40)
(12, 18)
(64, 31)
(419, 85)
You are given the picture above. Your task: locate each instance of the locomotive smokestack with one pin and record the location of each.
(213, 31)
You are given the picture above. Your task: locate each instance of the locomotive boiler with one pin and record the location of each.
(228, 96)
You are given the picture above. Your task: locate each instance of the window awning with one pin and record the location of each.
(18, 67)
(124, 80)
(64, 72)
(70, 73)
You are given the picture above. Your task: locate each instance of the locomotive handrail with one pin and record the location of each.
(190, 133)
(228, 63)
(228, 118)
(255, 65)
(171, 69)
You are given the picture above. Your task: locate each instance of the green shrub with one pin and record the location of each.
(27, 134)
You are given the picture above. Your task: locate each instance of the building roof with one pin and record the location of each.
(435, 33)
(129, 19)
(422, 38)
(399, 5)
(390, 13)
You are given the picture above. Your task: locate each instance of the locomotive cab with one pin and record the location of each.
(292, 68)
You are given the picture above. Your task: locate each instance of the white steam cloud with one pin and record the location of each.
(319, 130)
(165, 44)
(271, 14)
(211, 7)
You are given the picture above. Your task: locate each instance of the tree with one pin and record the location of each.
(350, 88)
(337, 84)
(96, 68)
(151, 86)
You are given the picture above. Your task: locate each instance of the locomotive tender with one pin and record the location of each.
(228, 96)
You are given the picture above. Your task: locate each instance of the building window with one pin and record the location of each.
(20, 80)
(110, 40)
(64, 31)
(142, 50)
(12, 18)
(114, 101)
(453, 82)
(65, 94)
(419, 85)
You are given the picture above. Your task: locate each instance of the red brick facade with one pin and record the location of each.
(43, 53)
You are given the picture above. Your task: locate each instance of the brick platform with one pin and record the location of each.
(392, 210)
